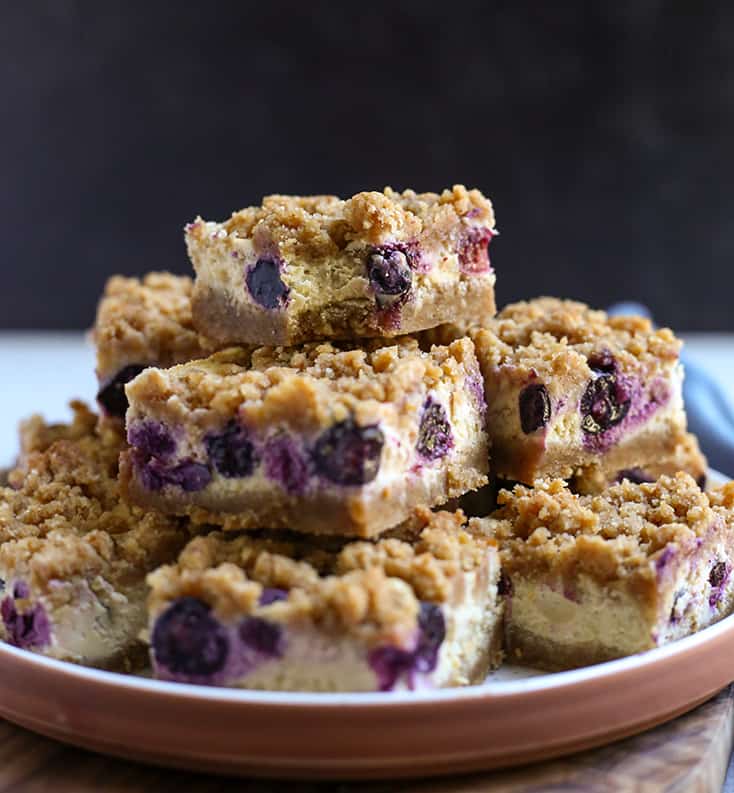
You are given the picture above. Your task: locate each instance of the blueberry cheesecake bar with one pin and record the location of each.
(324, 439)
(568, 387)
(591, 578)
(73, 556)
(295, 613)
(140, 323)
(307, 268)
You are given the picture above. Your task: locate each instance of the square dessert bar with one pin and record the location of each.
(320, 439)
(568, 388)
(591, 578)
(140, 323)
(74, 557)
(300, 269)
(299, 614)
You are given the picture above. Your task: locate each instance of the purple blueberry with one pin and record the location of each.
(231, 451)
(272, 595)
(432, 627)
(152, 438)
(285, 462)
(25, 629)
(504, 585)
(21, 590)
(535, 407)
(473, 250)
(348, 454)
(188, 640)
(602, 361)
(265, 284)
(112, 395)
(603, 405)
(435, 437)
(390, 275)
(188, 475)
(389, 664)
(262, 636)
(635, 475)
(718, 575)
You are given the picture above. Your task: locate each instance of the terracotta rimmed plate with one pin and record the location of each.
(517, 716)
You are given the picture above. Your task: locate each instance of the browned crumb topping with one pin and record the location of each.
(66, 517)
(297, 386)
(615, 535)
(319, 226)
(370, 589)
(558, 336)
(146, 321)
(36, 435)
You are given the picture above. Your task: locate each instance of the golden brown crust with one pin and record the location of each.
(369, 589)
(146, 321)
(319, 226)
(66, 518)
(617, 535)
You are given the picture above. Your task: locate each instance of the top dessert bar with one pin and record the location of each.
(140, 323)
(73, 555)
(287, 612)
(299, 269)
(569, 388)
(588, 578)
(326, 439)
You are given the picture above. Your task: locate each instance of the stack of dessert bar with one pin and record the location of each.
(268, 498)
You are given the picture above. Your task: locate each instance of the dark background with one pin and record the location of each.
(603, 133)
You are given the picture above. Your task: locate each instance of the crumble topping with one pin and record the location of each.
(619, 534)
(146, 321)
(295, 385)
(65, 517)
(321, 226)
(557, 336)
(370, 589)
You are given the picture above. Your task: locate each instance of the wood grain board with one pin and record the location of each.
(688, 755)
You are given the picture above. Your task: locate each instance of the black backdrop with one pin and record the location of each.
(603, 132)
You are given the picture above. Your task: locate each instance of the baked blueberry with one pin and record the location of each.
(435, 437)
(473, 250)
(389, 664)
(152, 438)
(348, 454)
(25, 629)
(112, 395)
(265, 284)
(602, 361)
(189, 476)
(231, 451)
(262, 636)
(432, 627)
(272, 595)
(285, 462)
(601, 405)
(719, 573)
(390, 275)
(188, 640)
(535, 407)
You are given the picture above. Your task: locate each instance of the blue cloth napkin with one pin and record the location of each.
(709, 407)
